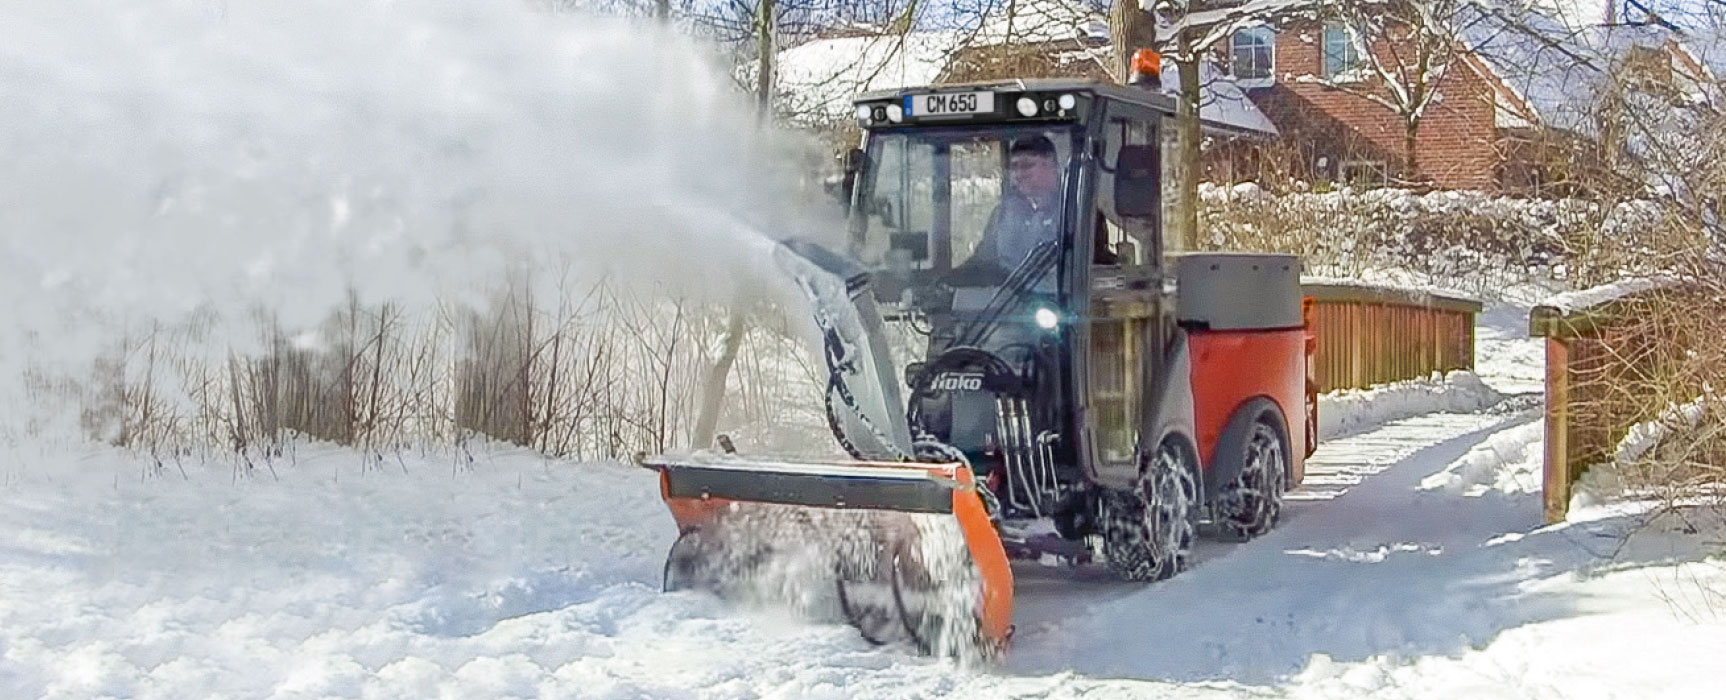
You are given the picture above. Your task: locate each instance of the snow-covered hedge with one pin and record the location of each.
(1470, 241)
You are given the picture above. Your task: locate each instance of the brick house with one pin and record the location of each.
(1513, 111)
(1511, 108)
(1330, 134)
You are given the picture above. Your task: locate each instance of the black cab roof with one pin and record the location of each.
(1007, 92)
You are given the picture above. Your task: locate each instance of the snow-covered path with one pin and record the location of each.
(1364, 563)
(1412, 565)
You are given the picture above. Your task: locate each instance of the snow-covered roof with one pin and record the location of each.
(818, 79)
(1554, 71)
(1221, 99)
(1222, 20)
(1040, 21)
(1576, 14)
(1583, 299)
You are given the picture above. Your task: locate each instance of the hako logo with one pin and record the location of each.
(957, 381)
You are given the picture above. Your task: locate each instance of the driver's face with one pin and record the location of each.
(1035, 174)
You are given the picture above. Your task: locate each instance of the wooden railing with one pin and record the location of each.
(1373, 335)
(1604, 349)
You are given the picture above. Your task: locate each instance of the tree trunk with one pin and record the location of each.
(662, 10)
(764, 57)
(1411, 164)
(1179, 234)
(1131, 27)
(713, 385)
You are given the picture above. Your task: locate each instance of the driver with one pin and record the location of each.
(1029, 210)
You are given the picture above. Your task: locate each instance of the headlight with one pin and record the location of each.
(1047, 319)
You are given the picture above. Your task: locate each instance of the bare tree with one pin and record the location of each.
(1404, 49)
(1187, 32)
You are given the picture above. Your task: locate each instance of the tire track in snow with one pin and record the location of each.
(1364, 563)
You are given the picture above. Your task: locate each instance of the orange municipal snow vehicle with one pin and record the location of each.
(1018, 370)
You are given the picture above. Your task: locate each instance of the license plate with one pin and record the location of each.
(949, 104)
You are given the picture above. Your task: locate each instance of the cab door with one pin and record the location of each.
(1129, 316)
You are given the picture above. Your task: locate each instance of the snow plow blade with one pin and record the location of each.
(907, 550)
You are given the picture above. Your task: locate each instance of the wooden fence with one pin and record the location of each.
(1373, 335)
(1611, 363)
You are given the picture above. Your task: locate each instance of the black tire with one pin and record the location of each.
(1148, 532)
(1250, 504)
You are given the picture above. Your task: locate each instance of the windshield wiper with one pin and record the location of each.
(1019, 281)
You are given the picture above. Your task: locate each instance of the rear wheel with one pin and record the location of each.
(1250, 504)
(1148, 531)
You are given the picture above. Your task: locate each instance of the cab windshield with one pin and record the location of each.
(965, 207)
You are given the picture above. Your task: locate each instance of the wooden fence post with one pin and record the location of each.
(1555, 482)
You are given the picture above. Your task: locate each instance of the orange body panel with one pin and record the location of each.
(1233, 367)
(990, 557)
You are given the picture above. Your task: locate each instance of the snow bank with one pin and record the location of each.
(1645, 436)
(1350, 411)
(1509, 462)
(330, 578)
(1637, 633)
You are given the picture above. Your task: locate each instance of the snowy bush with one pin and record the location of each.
(1462, 240)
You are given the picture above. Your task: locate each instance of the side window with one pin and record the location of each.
(1122, 240)
(899, 202)
(1340, 56)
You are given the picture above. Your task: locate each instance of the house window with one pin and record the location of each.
(1340, 56)
(1253, 55)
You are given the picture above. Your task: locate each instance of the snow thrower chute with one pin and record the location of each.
(1017, 370)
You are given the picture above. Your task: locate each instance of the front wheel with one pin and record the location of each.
(1148, 531)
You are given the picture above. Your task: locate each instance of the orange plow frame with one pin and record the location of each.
(988, 554)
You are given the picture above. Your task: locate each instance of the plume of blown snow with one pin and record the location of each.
(176, 160)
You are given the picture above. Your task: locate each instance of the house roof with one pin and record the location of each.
(1551, 72)
(1222, 100)
(818, 79)
(1040, 21)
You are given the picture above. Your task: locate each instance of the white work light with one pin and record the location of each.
(1069, 102)
(863, 112)
(895, 113)
(1047, 319)
(1027, 107)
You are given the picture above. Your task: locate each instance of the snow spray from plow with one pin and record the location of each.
(175, 162)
